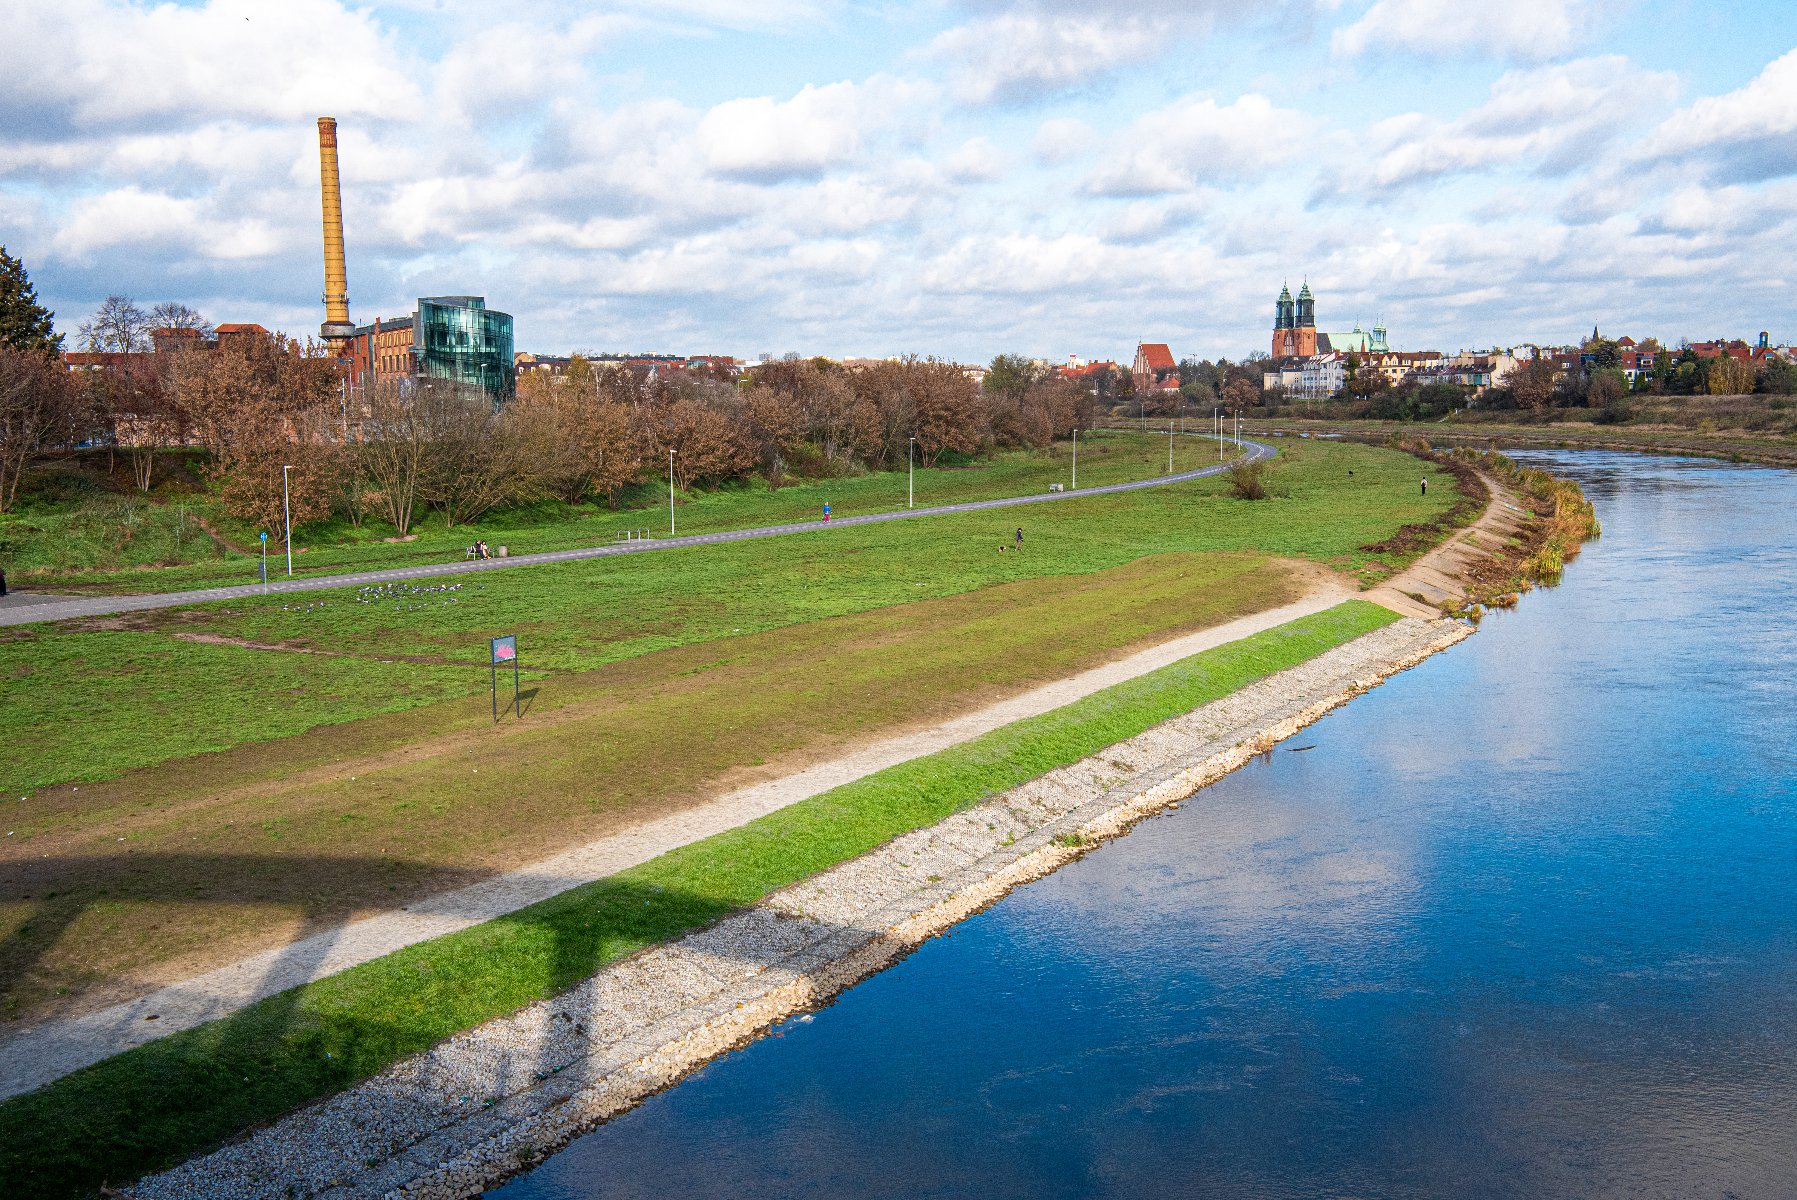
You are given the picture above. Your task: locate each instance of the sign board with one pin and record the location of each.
(505, 649)
(263, 536)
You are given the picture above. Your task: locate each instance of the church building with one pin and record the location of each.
(1295, 330)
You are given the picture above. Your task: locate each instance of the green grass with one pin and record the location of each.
(153, 1106)
(39, 545)
(577, 616)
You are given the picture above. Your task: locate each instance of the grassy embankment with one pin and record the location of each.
(87, 700)
(178, 802)
(78, 534)
(152, 1106)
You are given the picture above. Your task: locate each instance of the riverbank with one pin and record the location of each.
(1731, 445)
(488, 1103)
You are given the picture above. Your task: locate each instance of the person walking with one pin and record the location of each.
(826, 512)
(1020, 539)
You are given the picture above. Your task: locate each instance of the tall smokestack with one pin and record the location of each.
(336, 328)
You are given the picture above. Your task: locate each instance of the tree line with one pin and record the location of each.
(283, 430)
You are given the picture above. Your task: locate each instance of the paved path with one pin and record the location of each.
(47, 1052)
(100, 606)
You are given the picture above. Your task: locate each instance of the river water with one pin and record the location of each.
(1520, 922)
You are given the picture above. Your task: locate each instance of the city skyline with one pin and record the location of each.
(949, 179)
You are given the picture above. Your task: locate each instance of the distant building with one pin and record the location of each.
(1154, 368)
(457, 338)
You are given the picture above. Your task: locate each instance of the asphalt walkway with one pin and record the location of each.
(63, 608)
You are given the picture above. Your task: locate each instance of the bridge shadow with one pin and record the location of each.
(192, 1091)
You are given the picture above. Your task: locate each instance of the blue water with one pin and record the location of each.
(1523, 923)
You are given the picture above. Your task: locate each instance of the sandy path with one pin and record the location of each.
(1436, 575)
(48, 1051)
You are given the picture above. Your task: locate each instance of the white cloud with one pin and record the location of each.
(1531, 30)
(1022, 56)
(104, 64)
(766, 140)
(977, 161)
(137, 220)
(1197, 141)
(1748, 134)
(1553, 120)
(1061, 138)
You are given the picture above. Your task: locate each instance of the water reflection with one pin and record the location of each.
(1521, 924)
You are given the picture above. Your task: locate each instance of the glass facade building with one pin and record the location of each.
(460, 338)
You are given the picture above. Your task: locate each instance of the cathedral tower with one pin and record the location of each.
(1294, 324)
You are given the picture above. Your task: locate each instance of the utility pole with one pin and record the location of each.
(287, 516)
(670, 491)
(1169, 445)
(1076, 459)
(911, 474)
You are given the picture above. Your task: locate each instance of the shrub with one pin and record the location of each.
(1247, 481)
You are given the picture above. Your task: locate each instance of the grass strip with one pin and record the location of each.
(153, 1106)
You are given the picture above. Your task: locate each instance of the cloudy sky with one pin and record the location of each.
(956, 177)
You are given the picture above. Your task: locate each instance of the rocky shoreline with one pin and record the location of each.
(491, 1102)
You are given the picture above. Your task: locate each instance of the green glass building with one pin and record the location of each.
(460, 338)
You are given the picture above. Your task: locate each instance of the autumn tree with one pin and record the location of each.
(708, 447)
(258, 404)
(947, 412)
(1729, 376)
(1532, 383)
(582, 435)
(1239, 395)
(775, 424)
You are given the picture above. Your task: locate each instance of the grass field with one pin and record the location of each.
(154, 1105)
(174, 868)
(94, 543)
(77, 706)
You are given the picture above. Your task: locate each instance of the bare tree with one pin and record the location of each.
(478, 459)
(172, 314)
(39, 407)
(135, 401)
(394, 448)
(119, 326)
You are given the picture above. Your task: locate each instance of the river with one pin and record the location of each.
(1520, 922)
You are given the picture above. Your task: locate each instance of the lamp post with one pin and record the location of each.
(1076, 458)
(287, 516)
(1169, 445)
(670, 491)
(911, 474)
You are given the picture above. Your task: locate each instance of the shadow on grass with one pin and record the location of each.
(151, 1107)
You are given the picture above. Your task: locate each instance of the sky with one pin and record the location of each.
(958, 178)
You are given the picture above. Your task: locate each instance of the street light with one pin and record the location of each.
(1169, 445)
(911, 474)
(670, 491)
(287, 516)
(1076, 459)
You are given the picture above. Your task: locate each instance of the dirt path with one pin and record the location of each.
(1434, 579)
(48, 1051)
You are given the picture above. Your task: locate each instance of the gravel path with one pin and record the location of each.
(489, 1102)
(46, 1052)
(64, 608)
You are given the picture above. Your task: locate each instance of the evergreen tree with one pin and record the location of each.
(24, 323)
